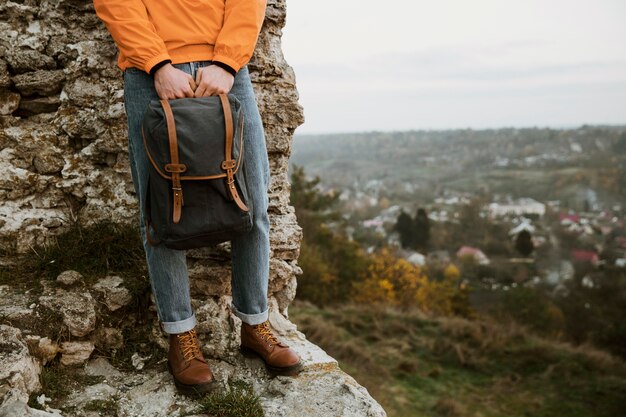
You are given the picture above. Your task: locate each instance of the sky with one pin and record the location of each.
(365, 65)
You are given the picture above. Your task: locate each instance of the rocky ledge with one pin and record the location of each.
(66, 328)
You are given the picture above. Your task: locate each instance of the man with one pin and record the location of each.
(173, 49)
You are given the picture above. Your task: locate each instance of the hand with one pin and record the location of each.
(170, 82)
(213, 80)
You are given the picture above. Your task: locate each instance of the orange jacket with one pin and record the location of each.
(148, 32)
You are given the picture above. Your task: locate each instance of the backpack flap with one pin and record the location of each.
(200, 133)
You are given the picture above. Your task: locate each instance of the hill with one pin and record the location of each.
(418, 366)
(524, 162)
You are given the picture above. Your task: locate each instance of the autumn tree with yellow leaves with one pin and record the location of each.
(391, 280)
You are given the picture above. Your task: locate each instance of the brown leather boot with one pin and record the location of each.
(258, 340)
(191, 373)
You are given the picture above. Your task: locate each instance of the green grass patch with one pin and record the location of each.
(137, 340)
(57, 382)
(95, 251)
(102, 407)
(238, 401)
(421, 366)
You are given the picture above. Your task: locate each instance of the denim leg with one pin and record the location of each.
(167, 268)
(251, 252)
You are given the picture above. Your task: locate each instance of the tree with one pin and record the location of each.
(329, 260)
(305, 194)
(421, 227)
(404, 226)
(391, 280)
(524, 244)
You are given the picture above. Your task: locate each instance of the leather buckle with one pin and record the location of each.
(176, 168)
(228, 164)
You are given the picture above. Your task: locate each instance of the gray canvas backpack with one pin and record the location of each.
(196, 194)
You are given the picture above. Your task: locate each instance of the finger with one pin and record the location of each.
(192, 83)
(182, 92)
(205, 90)
(188, 92)
(212, 90)
(200, 91)
(199, 77)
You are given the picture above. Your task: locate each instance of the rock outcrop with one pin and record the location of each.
(63, 159)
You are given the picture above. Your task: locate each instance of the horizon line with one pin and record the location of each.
(554, 127)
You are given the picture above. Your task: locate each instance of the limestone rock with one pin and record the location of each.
(319, 394)
(75, 353)
(41, 82)
(155, 397)
(208, 278)
(101, 367)
(43, 348)
(108, 338)
(25, 60)
(76, 308)
(5, 78)
(217, 331)
(31, 106)
(21, 409)
(87, 92)
(14, 305)
(19, 372)
(115, 296)
(9, 102)
(69, 278)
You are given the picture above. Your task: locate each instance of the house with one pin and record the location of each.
(581, 255)
(474, 253)
(567, 219)
(522, 206)
(441, 257)
(524, 225)
(416, 258)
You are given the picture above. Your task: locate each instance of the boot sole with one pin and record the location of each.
(192, 389)
(291, 370)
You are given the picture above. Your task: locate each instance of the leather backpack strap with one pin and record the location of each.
(229, 163)
(174, 167)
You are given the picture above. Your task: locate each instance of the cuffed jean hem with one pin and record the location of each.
(251, 319)
(182, 326)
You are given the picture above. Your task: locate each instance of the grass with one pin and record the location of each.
(137, 340)
(422, 366)
(57, 383)
(95, 251)
(102, 407)
(239, 400)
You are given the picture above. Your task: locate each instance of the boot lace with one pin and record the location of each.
(189, 345)
(264, 330)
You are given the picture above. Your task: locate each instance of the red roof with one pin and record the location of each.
(585, 256)
(573, 217)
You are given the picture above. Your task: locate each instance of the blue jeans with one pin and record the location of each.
(167, 268)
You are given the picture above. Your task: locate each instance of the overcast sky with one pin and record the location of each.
(400, 64)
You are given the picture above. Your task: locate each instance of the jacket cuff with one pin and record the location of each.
(153, 61)
(159, 65)
(226, 62)
(225, 67)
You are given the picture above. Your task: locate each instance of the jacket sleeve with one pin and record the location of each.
(237, 38)
(128, 24)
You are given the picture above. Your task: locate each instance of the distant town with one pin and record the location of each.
(533, 207)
